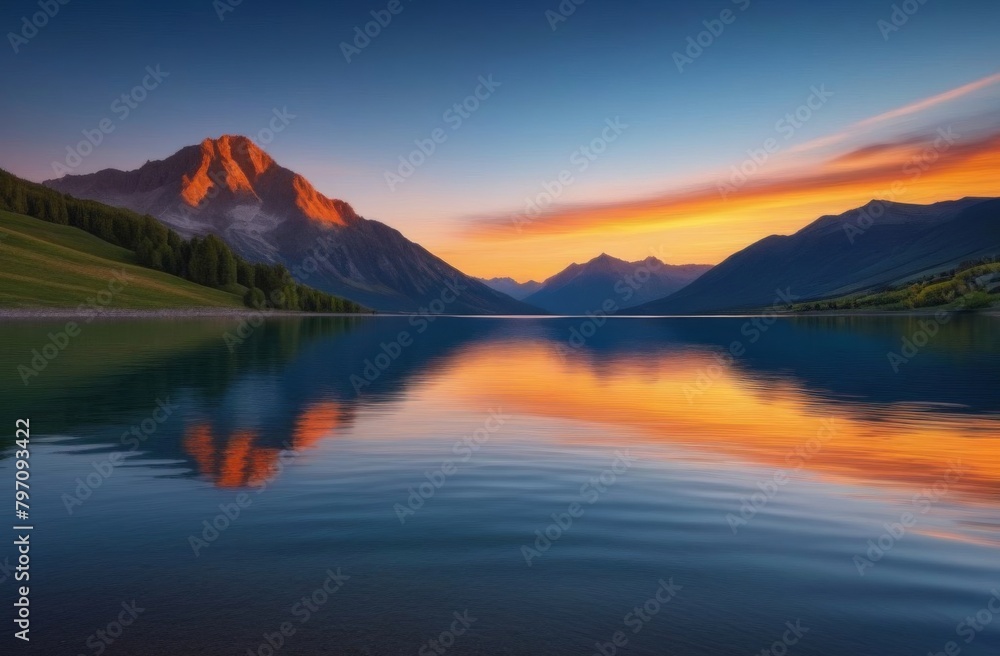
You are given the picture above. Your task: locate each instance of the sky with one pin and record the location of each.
(615, 128)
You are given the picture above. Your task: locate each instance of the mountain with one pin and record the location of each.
(511, 287)
(40, 275)
(582, 288)
(875, 245)
(267, 213)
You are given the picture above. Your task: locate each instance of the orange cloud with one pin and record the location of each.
(709, 222)
(865, 170)
(702, 226)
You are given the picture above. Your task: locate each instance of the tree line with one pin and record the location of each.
(208, 261)
(951, 286)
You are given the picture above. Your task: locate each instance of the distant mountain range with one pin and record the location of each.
(879, 244)
(511, 287)
(582, 288)
(267, 213)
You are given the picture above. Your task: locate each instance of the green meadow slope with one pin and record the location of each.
(43, 264)
(972, 285)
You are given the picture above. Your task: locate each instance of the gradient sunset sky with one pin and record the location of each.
(654, 190)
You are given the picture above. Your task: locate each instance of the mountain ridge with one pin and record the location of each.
(877, 244)
(507, 285)
(582, 288)
(230, 187)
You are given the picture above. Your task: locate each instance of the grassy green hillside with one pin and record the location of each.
(204, 261)
(43, 264)
(971, 286)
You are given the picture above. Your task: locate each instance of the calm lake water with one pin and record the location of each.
(549, 482)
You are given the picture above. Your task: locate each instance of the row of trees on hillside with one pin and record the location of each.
(207, 260)
(953, 286)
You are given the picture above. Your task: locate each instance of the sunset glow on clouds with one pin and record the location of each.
(938, 148)
(656, 188)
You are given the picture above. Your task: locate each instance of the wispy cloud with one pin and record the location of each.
(863, 126)
(867, 171)
(933, 101)
(868, 161)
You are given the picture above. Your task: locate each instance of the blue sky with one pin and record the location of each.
(557, 88)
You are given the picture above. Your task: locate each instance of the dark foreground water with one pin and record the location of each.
(508, 486)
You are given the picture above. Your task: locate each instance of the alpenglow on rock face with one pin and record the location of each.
(267, 213)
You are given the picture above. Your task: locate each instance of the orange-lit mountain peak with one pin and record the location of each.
(231, 162)
(236, 164)
(195, 187)
(241, 151)
(317, 206)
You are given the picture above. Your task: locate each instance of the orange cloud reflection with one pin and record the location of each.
(739, 418)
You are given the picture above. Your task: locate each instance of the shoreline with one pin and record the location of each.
(47, 313)
(929, 312)
(29, 313)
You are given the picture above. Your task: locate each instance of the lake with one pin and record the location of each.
(690, 486)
